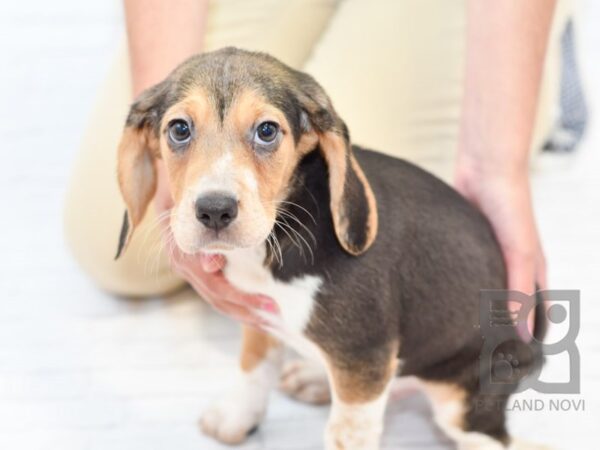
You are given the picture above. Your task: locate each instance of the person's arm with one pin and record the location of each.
(506, 46)
(161, 34)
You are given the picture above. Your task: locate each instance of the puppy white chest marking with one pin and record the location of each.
(295, 299)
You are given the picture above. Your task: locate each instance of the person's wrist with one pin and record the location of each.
(492, 190)
(474, 172)
(484, 164)
(145, 78)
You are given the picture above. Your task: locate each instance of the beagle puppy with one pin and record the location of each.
(376, 266)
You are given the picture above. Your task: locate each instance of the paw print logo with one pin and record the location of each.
(505, 368)
(507, 363)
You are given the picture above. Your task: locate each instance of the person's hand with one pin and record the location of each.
(505, 199)
(204, 272)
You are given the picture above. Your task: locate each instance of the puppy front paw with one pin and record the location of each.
(350, 436)
(231, 420)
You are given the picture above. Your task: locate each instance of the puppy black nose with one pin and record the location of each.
(216, 210)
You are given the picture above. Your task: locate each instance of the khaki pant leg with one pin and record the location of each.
(395, 71)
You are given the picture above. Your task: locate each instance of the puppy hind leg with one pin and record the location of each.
(237, 413)
(474, 422)
(305, 381)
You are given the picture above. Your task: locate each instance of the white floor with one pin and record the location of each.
(82, 370)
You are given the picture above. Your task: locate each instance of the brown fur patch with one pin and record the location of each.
(255, 345)
(274, 170)
(183, 167)
(362, 381)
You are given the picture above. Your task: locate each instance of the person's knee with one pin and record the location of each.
(92, 239)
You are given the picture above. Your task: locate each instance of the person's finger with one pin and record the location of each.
(256, 301)
(521, 277)
(211, 263)
(218, 283)
(241, 313)
(540, 273)
(542, 282)
(215, 288)
(192, 264)
(207, 263)
(238, 313)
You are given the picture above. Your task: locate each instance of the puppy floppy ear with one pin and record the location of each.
(352, 202)
(353, 205)
(138, 149)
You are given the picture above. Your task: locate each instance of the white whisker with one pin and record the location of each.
(277, 246)
(299, 235)
(287, 202)
(294, 218)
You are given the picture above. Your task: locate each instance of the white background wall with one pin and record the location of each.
(82, 370)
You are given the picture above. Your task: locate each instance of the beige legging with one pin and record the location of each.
(393, 69)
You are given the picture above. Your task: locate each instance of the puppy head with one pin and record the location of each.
(231, 127)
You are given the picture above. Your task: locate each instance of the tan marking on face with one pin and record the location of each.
(255, 346)
(272, 171)
(222, 158)
(187, 165)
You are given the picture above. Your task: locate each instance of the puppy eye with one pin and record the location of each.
(266, 133)
(179, 131)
